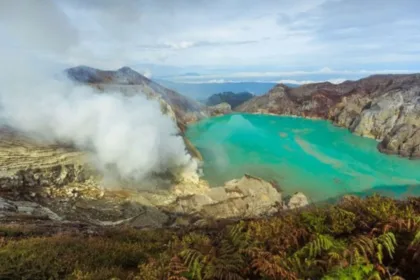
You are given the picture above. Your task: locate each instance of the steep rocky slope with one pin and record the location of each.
(129, 82)
(384, 107)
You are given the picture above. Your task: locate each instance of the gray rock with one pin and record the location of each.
(404, 140)
(7, 206)
(16, 209)
(150, 218)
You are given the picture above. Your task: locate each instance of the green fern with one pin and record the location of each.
(416, 239)
(315, 220)
(340, 220)
(314, 248)
(355, 272)
(387, 241)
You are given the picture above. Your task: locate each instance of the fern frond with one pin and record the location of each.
(416, 239)
(363, 246)
(388, 241)
(176, 269)
(314, 248)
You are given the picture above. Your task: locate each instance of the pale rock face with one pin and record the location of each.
(403, 139)
(380, 118)
(298, 200)
(239, 198)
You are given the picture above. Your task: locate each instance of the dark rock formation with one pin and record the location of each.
(383, 107)
(233, 99)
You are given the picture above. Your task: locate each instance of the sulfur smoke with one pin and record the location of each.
(128, 134)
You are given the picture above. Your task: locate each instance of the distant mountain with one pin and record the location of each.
(233, 99)
(202, 91)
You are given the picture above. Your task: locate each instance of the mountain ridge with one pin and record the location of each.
(130, 82)
(201, 91)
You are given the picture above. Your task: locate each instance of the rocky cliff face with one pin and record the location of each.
(384, 107)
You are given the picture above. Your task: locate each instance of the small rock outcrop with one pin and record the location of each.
(297, 200)
(240, 198)
(383, 107)
(24, 210)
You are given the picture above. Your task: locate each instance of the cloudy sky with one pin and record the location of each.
(238, 40)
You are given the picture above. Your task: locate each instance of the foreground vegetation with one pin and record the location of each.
(373, 238)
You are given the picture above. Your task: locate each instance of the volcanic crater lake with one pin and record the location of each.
(312, 156)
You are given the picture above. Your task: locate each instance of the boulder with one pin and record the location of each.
(150, 218)
(239, 198)
(15, 210)
(297, 200)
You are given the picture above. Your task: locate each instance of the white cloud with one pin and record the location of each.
(297, 82)
(326, 70)
(180, 45)
(255, 76)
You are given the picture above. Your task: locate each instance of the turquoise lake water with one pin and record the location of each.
(312, 156)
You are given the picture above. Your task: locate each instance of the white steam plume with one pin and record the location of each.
(128, 133)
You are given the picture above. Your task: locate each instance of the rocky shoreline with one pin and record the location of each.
(382, 107)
